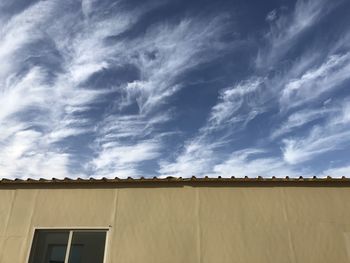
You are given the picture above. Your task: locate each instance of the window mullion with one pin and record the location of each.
(68, 246)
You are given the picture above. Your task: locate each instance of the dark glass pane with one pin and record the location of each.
(87, 247)
(49, 247)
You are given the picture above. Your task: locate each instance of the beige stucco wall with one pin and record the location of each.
(209, 224)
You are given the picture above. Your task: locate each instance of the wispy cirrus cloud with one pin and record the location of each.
(25, 154)
(166, 52)
(43, 90)
(236, 107)
(315, 82)
(197, 158)
(300, 118)
(337, 172)
(56, 99)
(35, 98)
(232, 111)
(97, 88)
(309, 78)
(121, 160)
(245, 163)
(287, 27)
(234, 100)
(331, 136)
(161, 56)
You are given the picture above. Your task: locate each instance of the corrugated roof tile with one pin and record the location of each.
(171, 179)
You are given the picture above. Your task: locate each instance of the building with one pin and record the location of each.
(175, 220)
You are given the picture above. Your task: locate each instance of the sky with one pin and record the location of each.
(180, 88)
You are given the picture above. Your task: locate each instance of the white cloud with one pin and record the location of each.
(200, 161)
(231, 101)
(287, 28)
(271, 16)
(315, 82)
(23, 156)
(123, 142)
(333, 135)
(337, 172)
(42, 107)
(22, 93)
(236, 107)
(298, 82)
(200, 156)
(166, 52)
(20, 30)
(196, 159)
(344, 117)
(162, 55)
(122, 160)
(301, 118)
(246, 163)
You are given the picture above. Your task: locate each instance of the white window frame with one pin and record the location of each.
(71, 230)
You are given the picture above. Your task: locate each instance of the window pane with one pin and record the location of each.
(49, 247)
(87, 247)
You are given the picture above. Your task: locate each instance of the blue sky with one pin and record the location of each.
(118, 88)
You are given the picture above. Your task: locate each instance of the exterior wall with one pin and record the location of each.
(206, 224)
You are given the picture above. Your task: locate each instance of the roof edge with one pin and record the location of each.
(193, 179)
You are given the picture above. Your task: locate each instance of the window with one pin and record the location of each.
(68, 246)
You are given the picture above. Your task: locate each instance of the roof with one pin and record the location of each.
(175, 180)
